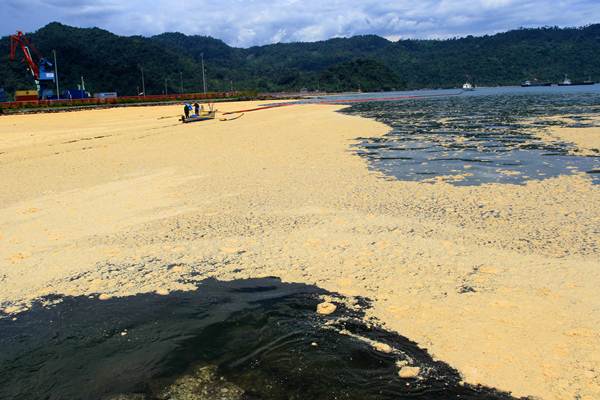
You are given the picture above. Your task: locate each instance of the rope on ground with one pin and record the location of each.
(231, 119)
(260, 108)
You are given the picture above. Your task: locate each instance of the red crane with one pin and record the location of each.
(42, 71)
(19, 40)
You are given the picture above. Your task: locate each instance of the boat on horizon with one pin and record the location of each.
(535, 83)
(468, 87)
(568, 82)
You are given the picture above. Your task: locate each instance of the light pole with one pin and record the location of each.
(181, 81)
(56, 75)
(203, 75)
(143, 82)
(166, 90)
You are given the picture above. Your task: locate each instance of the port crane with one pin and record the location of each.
(42, 71)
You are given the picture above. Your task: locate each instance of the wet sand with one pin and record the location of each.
(586, 140)
(500, 281)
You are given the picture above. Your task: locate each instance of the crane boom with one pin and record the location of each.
(42, 71)
(20, 40)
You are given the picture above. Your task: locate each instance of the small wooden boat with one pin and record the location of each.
(204, 116)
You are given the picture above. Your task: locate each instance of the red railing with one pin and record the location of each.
(118, 100)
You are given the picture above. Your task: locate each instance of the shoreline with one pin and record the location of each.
(585, 140)
(103, 201)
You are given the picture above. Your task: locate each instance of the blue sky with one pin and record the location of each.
(254, 22)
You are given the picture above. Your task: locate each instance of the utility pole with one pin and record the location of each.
(166, 86)
(143, 82)
(203, 75)
(56, 75)
(181, 81)
(82, 84)
(231, 83)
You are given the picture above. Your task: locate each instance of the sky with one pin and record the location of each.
(245, 23)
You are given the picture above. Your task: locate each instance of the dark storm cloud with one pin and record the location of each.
(246, 23)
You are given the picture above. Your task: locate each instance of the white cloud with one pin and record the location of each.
(246, 23)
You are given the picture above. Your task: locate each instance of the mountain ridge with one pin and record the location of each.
(110, 62)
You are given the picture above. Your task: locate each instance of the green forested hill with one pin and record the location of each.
(112, 63)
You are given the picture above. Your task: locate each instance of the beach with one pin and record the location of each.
(499, 281)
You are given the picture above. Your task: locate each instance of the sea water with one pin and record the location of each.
(490, 135)
(246, 339)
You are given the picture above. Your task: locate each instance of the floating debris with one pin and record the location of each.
(326, 308)
(409, 372)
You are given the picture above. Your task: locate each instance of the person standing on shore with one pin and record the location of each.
(197, 109)
(186, 110)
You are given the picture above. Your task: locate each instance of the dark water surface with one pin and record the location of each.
(247, 339)
(479, 137)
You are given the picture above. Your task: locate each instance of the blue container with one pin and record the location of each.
(75, 94)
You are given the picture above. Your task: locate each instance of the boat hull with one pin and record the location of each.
(577, 84)
(536, 85)
(198, 118)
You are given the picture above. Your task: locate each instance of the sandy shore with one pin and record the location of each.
(585, 140)
(500, 281)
